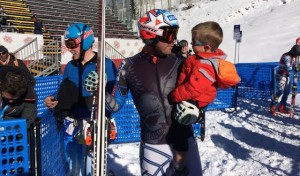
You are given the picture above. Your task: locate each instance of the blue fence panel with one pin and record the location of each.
(256, 79)
(128, 123)
(225, 99)
(46, 86)
(52, 153)
(14, 147)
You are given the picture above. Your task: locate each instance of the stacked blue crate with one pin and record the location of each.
(14, 148)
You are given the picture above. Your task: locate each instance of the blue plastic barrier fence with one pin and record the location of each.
(225, 99)
(46, 86)
(256, 80)
(51, 154)
(14, 148)
(128, 123)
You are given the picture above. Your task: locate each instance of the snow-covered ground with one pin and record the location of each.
(269, 27)
(248, 142)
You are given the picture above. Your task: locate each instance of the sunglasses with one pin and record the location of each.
(2, 54)
(197, 43)
(72, 43)
(169, 34)
(10, 100)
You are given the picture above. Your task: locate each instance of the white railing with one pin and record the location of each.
(29, 51)
(40, 61)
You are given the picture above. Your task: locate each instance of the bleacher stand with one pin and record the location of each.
(56, 17)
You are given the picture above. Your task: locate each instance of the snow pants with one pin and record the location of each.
(283, 89)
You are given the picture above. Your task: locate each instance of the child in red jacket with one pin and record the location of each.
(197, 80)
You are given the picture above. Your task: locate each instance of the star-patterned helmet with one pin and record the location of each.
(158, 23)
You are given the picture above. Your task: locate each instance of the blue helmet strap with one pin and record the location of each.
(82, 51)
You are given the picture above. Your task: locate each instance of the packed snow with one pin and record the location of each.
(249, 142)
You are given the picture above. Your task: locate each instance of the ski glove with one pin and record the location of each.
(186, 113)
(91, 82)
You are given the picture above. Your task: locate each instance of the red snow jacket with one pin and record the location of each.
(197, 80)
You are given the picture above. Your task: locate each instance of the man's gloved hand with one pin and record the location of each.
(186, 113)
(91, 82)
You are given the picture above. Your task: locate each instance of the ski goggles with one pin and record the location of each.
(169, 34)
(1, 54)
(72, 43)
(197, 43)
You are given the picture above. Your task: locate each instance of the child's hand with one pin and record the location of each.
(186, 113)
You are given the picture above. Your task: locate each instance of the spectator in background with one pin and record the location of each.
(3, 18)
(184, 52)
(286, 65)
(7, 58)
(181, 49)
(18, 94)
(38, 25)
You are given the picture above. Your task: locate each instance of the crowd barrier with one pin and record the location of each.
(256, 82)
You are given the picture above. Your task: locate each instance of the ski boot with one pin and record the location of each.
(273, 110)
(283, 109)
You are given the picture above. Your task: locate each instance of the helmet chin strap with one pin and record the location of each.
(82, 54)
(82, 51)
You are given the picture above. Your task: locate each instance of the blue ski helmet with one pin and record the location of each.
(80, 31)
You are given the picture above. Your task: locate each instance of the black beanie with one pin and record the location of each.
(3, 49)
(295, 50)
